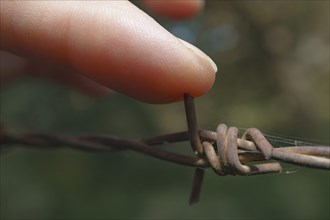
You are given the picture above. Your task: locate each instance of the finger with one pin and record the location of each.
(11, 67)
(66, 77)
(111, 42)
(15, 68)
(177, 9)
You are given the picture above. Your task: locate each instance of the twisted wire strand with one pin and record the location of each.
(222, 150)
(309, 156)
(227, 160)
(313, 156)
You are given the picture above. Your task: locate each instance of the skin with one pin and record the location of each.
(177, 10)
(112, 43)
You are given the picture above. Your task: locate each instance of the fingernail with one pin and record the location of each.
(200, 53)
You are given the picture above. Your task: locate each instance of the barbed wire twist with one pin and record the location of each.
(224, 151)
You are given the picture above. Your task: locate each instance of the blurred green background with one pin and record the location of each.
(273, 59)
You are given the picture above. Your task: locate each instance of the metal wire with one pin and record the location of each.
(222, 150)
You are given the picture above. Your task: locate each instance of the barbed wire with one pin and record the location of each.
(222, 150)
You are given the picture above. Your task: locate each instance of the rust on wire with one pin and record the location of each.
(222, 150)
(196, 145)
(192, 124)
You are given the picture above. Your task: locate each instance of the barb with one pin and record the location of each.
(222, 150)
(196, 145)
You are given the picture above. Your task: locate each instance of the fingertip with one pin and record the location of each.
(139, 59)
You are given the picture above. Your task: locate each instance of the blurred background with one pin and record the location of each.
(273, 59)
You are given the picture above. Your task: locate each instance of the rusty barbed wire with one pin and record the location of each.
(223, 147)
(222, 150)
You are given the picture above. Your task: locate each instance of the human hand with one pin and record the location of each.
(113, 43)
